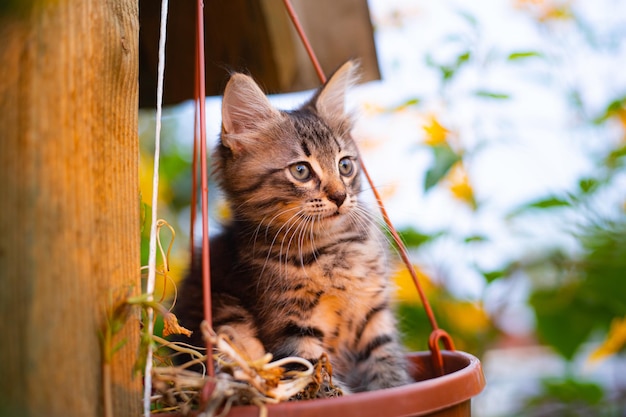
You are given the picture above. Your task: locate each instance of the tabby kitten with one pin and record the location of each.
(301, 269)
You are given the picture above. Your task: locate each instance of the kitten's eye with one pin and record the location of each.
(346, 167)
(300, 171)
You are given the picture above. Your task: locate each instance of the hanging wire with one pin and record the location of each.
(201, 118)
(155, 195)
(305, 41)
(437, 334)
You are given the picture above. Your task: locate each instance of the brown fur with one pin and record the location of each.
(302, 268)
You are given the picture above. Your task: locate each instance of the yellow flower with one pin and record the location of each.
(615, 341)
(459, 185)
(372, 108)
(146, 168)
(555, 12)
(546, 10)
(522, 3)
(468, 317)
(436, 134)
(620, 114)
(405, 287)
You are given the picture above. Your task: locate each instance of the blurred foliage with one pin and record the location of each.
(588, 291)
(570, 397)
(577, 293)
(466, 320)
(589, 288)
(589, 294)
(174, 197)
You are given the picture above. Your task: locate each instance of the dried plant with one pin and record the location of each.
(239, 380)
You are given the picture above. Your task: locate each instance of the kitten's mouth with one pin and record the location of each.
(332, 215)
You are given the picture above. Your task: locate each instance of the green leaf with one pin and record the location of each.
(604, 269)
(449, 70)
(612, 109)
(588, 185)
(515, 56)
(613, 160)
(475, 238)
(491, 94)
(463, 58)
(408, 103)
(412, 238)
(549, 203)
(545, 203)
(494, 275)
(570, 390)
(562, 322)
(445, 157)
(569, 396)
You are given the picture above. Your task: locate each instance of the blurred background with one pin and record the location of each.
(497, 137)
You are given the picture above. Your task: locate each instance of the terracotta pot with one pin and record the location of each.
(445, 396)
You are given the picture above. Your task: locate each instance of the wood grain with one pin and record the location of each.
(69, 205)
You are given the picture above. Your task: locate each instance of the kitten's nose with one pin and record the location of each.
(337, 197)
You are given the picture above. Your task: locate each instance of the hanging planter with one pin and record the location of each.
(433, 394)
(442, 396)
(445, 380)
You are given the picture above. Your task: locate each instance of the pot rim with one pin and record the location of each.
(463, 380)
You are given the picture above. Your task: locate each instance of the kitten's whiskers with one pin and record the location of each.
(288, 224)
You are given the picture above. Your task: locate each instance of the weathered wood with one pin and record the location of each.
(254, 36)
(68, 201)
(337, 31)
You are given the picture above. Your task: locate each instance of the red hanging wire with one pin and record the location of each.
(437, 334)
(305, 41)
(402, 249)
(201, 118)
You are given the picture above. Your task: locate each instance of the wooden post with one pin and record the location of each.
(69, 203)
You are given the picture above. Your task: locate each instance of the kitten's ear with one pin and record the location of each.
(244, 106)
(330, 102)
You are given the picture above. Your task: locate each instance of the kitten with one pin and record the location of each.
(302, 268)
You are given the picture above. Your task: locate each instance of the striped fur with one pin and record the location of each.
(302, 267)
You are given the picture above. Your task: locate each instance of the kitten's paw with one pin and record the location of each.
(336, 389)
(325, 389)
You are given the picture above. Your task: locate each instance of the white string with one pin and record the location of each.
(155, 193)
